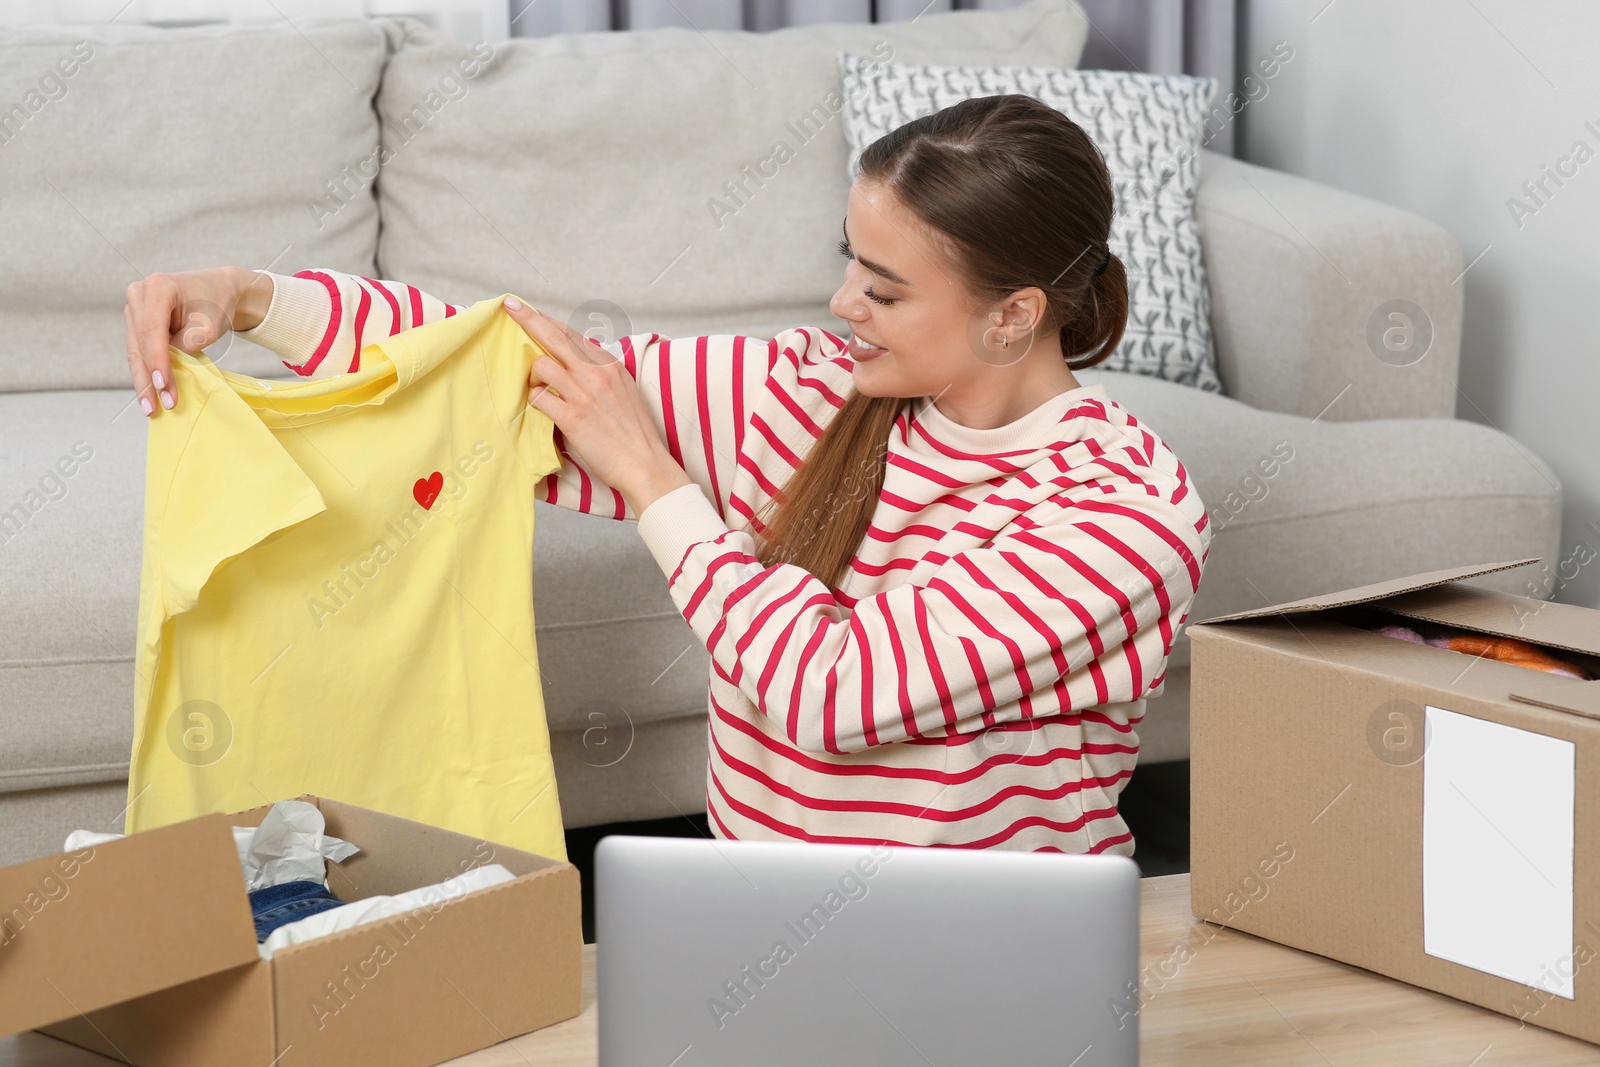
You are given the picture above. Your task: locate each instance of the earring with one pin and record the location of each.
(1005, 341)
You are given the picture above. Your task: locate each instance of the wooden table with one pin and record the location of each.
(1237, 1000)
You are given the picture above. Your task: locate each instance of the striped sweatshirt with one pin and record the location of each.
(979, 678)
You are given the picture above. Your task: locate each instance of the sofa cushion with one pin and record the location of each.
(613, 651)
(71, 507)
(1304, 505)
(609, 167)
(127, 150)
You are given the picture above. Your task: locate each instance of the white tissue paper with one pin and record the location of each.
(288, 846)
(80, 839)
(371, 909)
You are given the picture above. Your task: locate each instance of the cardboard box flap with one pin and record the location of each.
(83, 930)
(1539, 622)
(1376, 591)
(1562, 694)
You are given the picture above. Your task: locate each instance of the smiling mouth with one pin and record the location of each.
(862, 350)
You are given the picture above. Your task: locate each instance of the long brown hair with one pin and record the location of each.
(1021, 197)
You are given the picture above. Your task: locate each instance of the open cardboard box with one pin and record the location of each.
(1321, 755)
(144, 949)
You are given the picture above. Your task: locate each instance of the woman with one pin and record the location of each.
(936, 575)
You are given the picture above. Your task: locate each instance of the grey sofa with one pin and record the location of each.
(577, 172)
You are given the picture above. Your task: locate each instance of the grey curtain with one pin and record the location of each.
(1156, 36)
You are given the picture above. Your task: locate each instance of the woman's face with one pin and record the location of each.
(902, 294)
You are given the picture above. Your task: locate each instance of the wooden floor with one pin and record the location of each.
(1236, 1001)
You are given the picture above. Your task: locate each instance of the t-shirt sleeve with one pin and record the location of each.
(318, 321)
(218, 483)
(1069, 612)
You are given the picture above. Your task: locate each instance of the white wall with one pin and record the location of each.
(1445, 108)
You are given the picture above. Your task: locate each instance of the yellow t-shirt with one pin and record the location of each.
(337, 596)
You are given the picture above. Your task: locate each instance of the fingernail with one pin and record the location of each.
(144, 402)
(166, 399)
(513, 303)
(155, 376)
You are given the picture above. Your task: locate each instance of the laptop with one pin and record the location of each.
(715, 953)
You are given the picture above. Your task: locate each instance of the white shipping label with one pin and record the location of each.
(1497, 814)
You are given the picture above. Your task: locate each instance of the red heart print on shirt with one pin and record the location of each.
(427, 489)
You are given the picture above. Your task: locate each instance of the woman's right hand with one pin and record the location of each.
(188, 310)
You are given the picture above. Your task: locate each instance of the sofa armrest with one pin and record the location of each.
(1297, 271)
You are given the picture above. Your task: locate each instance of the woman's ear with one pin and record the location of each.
(1024, 309)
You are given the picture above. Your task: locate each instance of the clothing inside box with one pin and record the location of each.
(1465, 641)
(293, 876)
(303, 904)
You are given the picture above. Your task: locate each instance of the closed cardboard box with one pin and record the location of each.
(1420, 812)
(144, 949)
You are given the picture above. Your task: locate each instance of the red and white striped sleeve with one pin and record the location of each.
(699, 389)
(319, 320)
(1053, 617)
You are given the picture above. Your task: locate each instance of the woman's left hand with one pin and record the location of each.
(590, 395)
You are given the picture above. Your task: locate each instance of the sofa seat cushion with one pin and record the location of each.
(1302, 506)
(612, 648)
(71, 507)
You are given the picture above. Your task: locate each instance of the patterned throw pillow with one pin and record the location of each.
(1149, 128)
